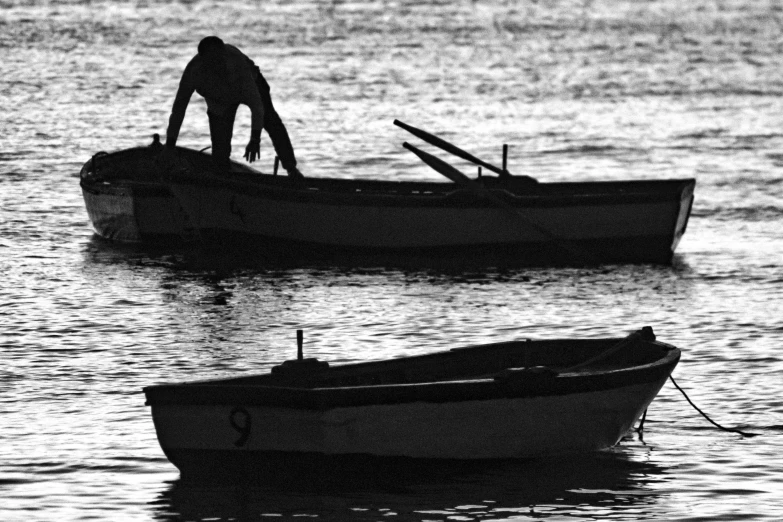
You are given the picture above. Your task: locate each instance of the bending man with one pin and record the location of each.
(226, 78)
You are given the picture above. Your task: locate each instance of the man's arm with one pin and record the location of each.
(252, 98)
(184, 92)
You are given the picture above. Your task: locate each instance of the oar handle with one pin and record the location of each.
(448, 147)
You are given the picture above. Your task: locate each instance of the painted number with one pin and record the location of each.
(240, 420)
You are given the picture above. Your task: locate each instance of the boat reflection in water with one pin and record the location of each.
(603, 485)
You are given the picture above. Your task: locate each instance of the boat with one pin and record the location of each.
(493, 218)
(510, 400)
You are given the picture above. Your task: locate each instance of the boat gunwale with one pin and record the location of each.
(528, 385)
(373, 192)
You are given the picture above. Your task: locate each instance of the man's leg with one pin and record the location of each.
(221, 130)
(274, 126)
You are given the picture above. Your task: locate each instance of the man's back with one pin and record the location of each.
(223, 86)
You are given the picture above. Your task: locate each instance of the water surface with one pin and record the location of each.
(592, 90)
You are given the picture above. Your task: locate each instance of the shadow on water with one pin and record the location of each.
(218, 259)
(210, 265)
(214, 259)
(580, 487)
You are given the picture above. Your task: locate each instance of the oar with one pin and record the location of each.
(624, 343)
(443, 168)
(448, 147)
(462, 180)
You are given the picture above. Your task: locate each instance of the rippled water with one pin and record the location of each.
(593, 89)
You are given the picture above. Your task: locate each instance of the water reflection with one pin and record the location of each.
(606, 484)
(229, 261)
(366, 313)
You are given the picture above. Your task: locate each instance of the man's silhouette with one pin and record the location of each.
(226, 78)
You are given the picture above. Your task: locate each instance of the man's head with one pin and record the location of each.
(213, 51)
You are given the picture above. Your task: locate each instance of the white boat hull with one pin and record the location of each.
(494, 429)
(513, 400)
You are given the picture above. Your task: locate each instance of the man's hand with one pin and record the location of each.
(253, 149)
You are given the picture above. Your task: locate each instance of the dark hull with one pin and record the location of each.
(375, 221)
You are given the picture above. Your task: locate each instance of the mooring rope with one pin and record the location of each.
(640, 429)
(744, 434)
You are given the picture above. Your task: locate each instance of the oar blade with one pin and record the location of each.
(440, 166)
